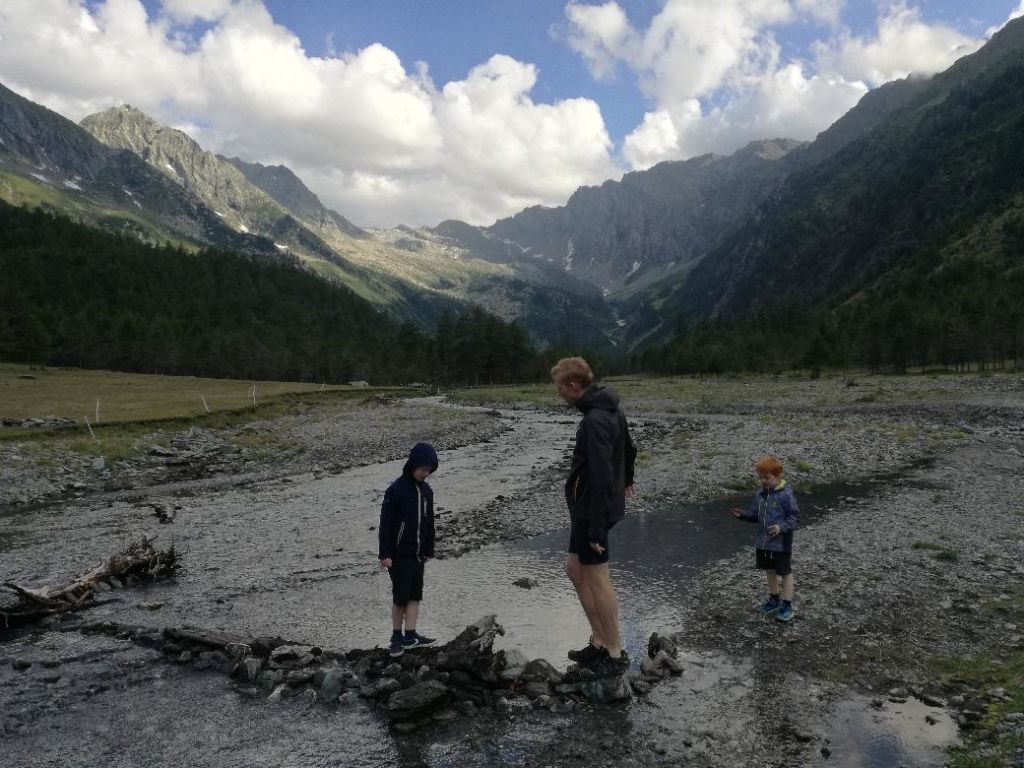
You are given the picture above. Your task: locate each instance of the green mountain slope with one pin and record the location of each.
(943, 167)
(73, 295)
(904, 247)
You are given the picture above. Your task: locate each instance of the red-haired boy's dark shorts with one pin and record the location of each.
(780, 562)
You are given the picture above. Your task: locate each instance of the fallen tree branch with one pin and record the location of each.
(139, 562)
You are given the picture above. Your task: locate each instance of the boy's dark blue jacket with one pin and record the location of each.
(774, 507)
(407, 514)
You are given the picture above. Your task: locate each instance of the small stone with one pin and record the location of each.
(332, 684)
(526, 583)
(535, 690)
(391, 670)
(641, 687)
(20, 665)
(825, 752)
(248, 669)
(383, 687)
(899, 693)
(277, 693)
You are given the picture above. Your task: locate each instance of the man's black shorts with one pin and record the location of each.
(406, 580)
(768, 560)
(579, 544)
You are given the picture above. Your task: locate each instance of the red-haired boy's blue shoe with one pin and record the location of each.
(785, 612)
(770, 606)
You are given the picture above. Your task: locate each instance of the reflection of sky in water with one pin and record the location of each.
(863, 737)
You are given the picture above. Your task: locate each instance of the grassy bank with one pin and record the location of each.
(131, 405)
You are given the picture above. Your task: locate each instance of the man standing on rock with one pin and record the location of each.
(600, 480)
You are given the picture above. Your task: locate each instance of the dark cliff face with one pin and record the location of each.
(281, 183)
(670, 214)
(37, 143)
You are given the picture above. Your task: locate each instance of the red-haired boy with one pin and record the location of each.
(777, 515)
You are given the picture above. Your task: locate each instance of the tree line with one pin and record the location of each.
(71, 295)
(966, 315)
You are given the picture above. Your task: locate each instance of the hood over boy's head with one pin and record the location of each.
(421, 455)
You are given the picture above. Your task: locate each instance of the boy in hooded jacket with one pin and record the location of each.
(777, 515)
(406, 542)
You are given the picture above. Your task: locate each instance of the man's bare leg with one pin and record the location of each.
(605, 606)
(600, 604)
(576, 572)
(397, 614)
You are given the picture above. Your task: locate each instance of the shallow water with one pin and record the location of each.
(298, 559)
(865, 737)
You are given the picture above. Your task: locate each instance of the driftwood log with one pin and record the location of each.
(140, 562)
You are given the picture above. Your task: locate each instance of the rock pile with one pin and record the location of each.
(459, 678)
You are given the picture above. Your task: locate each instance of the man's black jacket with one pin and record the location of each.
(602, 463)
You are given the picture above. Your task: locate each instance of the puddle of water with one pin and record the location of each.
(864, 737)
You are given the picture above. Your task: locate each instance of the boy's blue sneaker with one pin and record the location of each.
(770, 606)
(416, 640)
(396, 647)
(785, 613)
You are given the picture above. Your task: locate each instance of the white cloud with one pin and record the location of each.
(602, 35)
(192, 10)
(826, 11)
(717, 78)
(382, 143)
(903, 43)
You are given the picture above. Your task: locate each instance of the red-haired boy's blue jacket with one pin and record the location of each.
(774, 507)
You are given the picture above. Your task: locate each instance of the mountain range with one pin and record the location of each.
(123, 171)
(920, 172)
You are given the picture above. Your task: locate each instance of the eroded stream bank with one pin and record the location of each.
(297, 558)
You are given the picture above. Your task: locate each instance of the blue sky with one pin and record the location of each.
(406, 111)
(452, 36)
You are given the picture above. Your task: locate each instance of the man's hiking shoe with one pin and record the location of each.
(770, 606)
(601, 664)
(396, 648)
(785, 613)
(584, 656)
(577, 673)
(416, 640)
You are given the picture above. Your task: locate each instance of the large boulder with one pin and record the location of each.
(419, 701)
(603, 690)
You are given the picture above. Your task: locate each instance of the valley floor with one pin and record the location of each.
(910, 607)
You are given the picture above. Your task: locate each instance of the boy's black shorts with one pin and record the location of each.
(579, 544)
(768, 560)
(406, 580)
